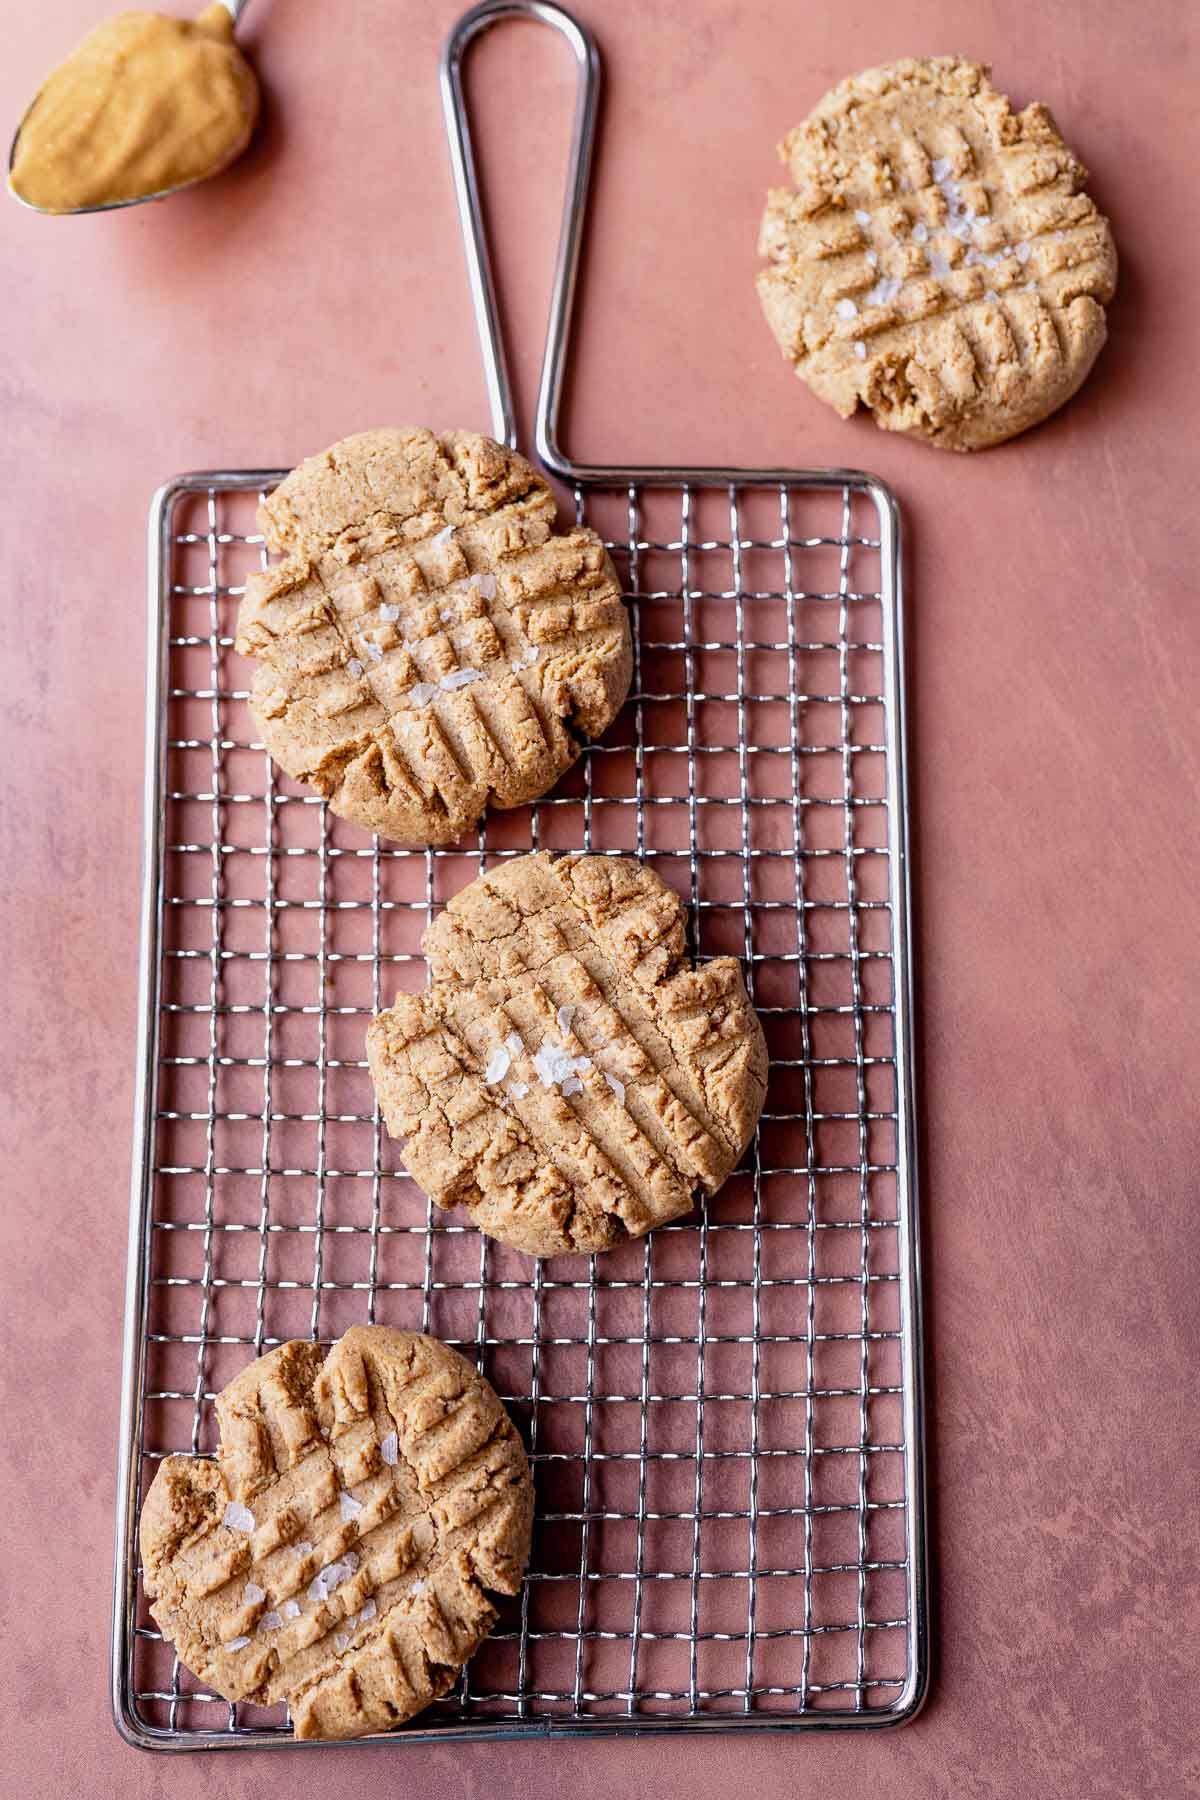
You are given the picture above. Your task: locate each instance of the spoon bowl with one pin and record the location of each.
(235, 9)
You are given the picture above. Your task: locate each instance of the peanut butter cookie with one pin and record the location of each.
(937, 260)
(338, 1553)
(567, 1076)
(431, 643)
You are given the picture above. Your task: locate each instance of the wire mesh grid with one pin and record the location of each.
(723, 1418)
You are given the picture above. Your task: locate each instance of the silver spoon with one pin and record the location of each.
(235, 9)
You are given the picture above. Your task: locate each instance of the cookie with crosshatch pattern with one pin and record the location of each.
(339, 1553)
(431, 643)
(567, 1075)
(937, 260)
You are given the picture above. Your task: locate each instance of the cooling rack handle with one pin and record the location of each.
(470, 213)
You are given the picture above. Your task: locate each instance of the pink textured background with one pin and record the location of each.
(1055, 670)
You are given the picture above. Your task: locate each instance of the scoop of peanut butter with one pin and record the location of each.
(145, 104)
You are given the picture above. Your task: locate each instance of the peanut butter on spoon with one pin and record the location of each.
(145, 105)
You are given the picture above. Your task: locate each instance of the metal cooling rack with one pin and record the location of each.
(724, 1418)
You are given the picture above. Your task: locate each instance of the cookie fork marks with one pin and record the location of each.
(358, 1625)
(431, 643)
(639, 1080)
(937, 260)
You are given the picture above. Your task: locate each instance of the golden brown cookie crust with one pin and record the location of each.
(339, 1552)
(937, 260)
(567, 1076)
(430, 644)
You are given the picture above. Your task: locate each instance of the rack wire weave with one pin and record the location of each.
(723, 1418)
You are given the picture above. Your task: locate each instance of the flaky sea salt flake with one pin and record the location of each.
(920, 232)
(369, 1609)
(238, 1643)
(341, 1641)
(860, 350)
(252, 1593)
(863, 217)
(238, 1517)
(846, 309)
(563, 1018)
(513, 1044)
(552, 1064)
(618, 1087)
(389, 613)
(458, 678)
(290, 1609)
(355, 669)
(884, 291)
(1024, 252)
(485, 585)
(422, 692)
(444, 536)
(940, 168)
(350, 1507)
(270, 1621)
(389, 1449)
(303, 1548)
(498, 1066)
(518, 1089)
(322, 1585)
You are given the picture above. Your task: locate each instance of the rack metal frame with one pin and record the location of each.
(726, 1419)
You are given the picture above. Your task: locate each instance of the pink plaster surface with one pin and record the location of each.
(1055, 663)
